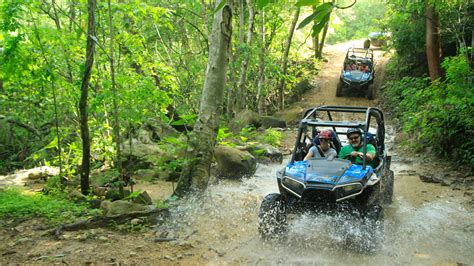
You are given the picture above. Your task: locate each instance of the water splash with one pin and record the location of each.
(225, 219)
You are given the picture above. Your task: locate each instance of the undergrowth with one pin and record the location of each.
(20, 204)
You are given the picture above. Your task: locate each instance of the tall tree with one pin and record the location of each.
(284, 65)
(118, 160)
(433, 54)
(323, 36)
(196, 172)
(261, 69)
(86, 143)
(315, 38)
(243, 72)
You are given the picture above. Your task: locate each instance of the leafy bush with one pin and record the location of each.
(440, 113)
(17, 203)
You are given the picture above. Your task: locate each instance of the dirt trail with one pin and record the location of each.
(427, 223)
(327, 80)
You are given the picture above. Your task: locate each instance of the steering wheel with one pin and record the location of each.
(347, 157)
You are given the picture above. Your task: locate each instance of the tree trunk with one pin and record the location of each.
(231, 84)
(433, 43)
(232, 94)
(85, 167)
(315, 40)
(118, 159)
(241, 21)
(281, 86)
(261, 69)
(323, 37)
(243, 71)
(196, 173)
(472, 49)
(319, 55)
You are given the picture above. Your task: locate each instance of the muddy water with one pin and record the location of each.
(426, 224)
(431, 228)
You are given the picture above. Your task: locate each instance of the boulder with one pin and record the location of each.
(243, 119)
(272, 122)
(143, 198)
(266, 153)
(143, 156)
(291, 115)
(234, 163)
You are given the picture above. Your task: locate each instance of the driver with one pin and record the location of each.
(323, 150)
(363, 67)
(354, 151)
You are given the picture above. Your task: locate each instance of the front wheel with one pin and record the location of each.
(339, 89)
(272, 222)
(370, 92)
(388, 191)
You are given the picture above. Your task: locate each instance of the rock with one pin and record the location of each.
(146, 174)
(99, 191)
(243, 119)
(291, 115)
(468, 181)
(272, 122)
(266, 153)
(114, 194)
(76, 196)
(136, 221)
(428, 178)
(143, 198)
(143, 156)
(82, 237)
(122, 207)
(234, 163)
(36, 175)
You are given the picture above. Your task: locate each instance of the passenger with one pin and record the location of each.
(363, 67)
(353, 67)
(354, 151)
(323, 150)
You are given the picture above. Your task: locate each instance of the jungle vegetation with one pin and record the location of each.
(78, 78)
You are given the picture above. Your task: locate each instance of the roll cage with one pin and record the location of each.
(357, 56)
(312, 123)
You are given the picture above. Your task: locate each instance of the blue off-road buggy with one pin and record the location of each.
(358, 73)
(332, 185)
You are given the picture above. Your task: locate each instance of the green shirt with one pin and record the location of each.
(346, 150)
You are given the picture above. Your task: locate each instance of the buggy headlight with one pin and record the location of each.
(293, 185)
(346, 191)
(351, 188)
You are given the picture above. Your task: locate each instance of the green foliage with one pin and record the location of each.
(408, 37)
(175, 148)
(17, 203)
(358, 21)
(320, 16)
(271, 137)
(440, 113)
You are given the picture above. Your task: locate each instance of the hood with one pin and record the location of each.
(322, 171)
(356, 75)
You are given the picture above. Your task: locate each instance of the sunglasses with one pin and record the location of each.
(324, 140)
(354, 138)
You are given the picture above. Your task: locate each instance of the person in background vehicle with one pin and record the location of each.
(354, 151)
(351, 66)
(323, 150)
(363, 67)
